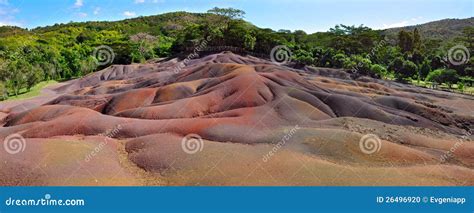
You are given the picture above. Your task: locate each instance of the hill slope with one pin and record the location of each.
(445, 29)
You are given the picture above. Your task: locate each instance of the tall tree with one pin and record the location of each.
(230, 13)
(405, 41)
(225, 15)
(416, 39)
(143, 43)
(16, 75)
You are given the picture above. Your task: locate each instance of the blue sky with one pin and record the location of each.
(308, 15)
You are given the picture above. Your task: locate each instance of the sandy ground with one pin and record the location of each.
(226, 119)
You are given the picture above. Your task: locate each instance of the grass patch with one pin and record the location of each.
(35, 91)
(467, 89)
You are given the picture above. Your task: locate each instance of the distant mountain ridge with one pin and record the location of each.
(445, 29)
(154, 24)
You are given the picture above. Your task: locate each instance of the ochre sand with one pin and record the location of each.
(133, 118)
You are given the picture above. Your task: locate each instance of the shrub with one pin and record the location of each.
(378, 70)
(409, 69)
(360, 64)
(461, 86)
(303, 57)
(440, 76)
(403, 69)
(338, 60)
(425, 69)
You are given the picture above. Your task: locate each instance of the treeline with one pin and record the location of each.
(66, 51)
(408, 57)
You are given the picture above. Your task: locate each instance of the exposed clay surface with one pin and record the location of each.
(124, 126)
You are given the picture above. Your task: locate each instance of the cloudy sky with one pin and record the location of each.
(308, 15)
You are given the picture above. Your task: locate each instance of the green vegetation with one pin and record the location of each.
(66, 51)
(440, 76)
(437, 31)
(34, 91)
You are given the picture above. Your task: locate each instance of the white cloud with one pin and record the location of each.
(417, 18)
(397, 24)
(129, 14)
(82, 15)
(4, 11)
(79, 3)
(10, 23)
(139, 1)
(408, 22)
(96, 10)
(7, 14)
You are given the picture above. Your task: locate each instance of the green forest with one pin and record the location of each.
(67, 51)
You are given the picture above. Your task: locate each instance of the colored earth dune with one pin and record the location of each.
(252, 123)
